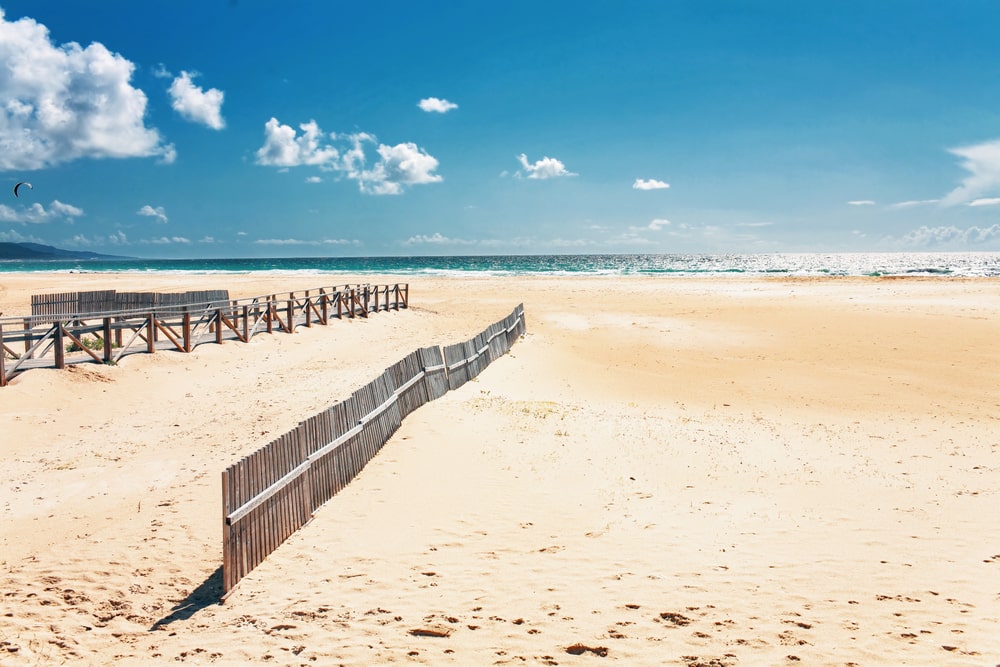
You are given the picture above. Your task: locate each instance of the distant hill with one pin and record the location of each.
(37, 251)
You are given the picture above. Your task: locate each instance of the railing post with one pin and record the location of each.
(324, 304)
(107, 340)
(291, 316)
(308, 310)
(246, 323)
(406, 295)
(150, 331)
(270, 314)
(218, 326)
(27, 335)
(187, 329)
(59, 349)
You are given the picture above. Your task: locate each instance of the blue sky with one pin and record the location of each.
(251, 128)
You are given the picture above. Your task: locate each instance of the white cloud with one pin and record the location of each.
(951, 235)
(433, 104)
(61, 103)
(283, 147)
(61, 210)
(861, 202)
(314, 179)
(437, 239)
(400, 165)
(651, 184)
(294, 242)
(547, 167)
(982, 161)
(167, 240)
(655, 225)
(38, 214)
(396, 168)
(13, 236)
(159, 213)
(196, 104)
(985, 201)
(115, 239)
(914, 202)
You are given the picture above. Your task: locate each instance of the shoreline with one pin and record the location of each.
(733, 469)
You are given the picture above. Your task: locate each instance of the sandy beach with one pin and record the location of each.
(701, 472)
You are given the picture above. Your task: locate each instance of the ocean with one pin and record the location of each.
(956, 264)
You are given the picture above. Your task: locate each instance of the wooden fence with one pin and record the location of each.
(273, 492)
(47, 308)
(52, 339)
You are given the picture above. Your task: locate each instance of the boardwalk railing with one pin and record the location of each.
(273, 492)
(41, 341)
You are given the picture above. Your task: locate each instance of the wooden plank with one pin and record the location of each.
(3, 360)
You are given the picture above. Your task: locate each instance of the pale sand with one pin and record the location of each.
(676, 471)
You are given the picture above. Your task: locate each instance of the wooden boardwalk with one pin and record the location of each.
(54, 340)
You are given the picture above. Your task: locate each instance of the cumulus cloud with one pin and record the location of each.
(115, 238)
(398, 166)
(950, 235)
(982, 161)
(985, 201)
(547, 167)
(654, 225)
(651, 184)
(159, 213)
(436, 239)
(38, 214)
(294, 242)
(59, 103)
(393, 170)
(13, 236)
(284, 147)
(168, 240)
(196, 104)
(433, 104)
(861, 202)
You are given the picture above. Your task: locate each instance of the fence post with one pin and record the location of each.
(218, 326)
(150, 331)
(27, 335)
(107, 340)
(291, 316)
(187, 329)
(3, 356)
(227, 559)
(246, 323)
(59, 349)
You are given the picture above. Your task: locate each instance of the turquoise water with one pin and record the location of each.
(792, 264)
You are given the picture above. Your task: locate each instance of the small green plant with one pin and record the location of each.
(91, 343)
